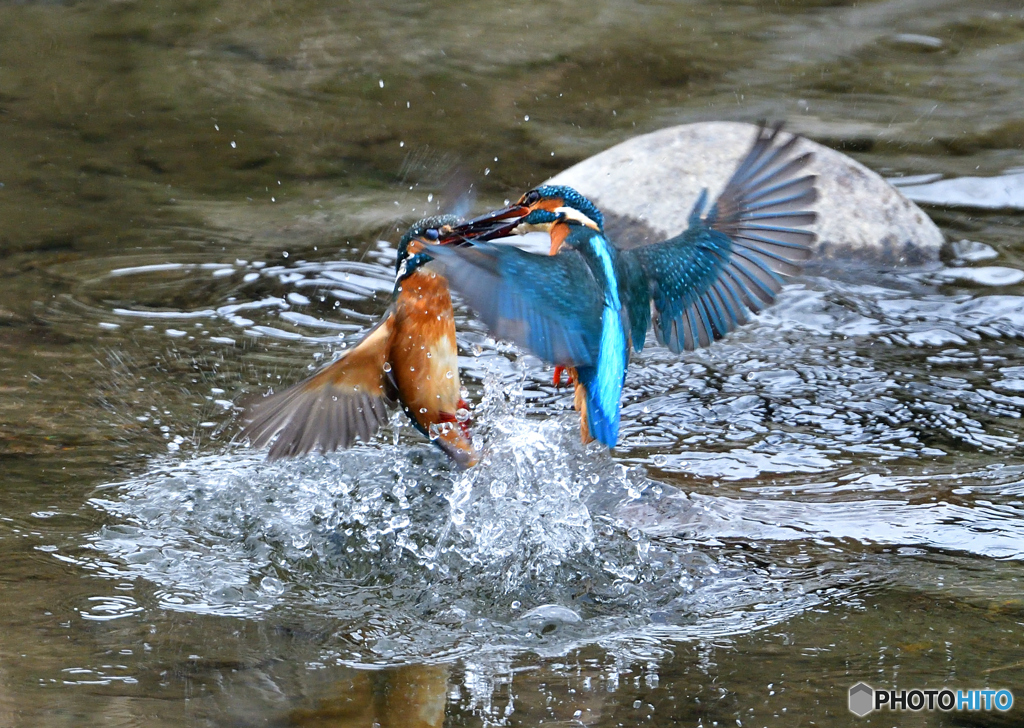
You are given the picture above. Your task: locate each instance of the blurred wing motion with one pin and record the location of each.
(550, 305)
(344, 400)
(705, 281)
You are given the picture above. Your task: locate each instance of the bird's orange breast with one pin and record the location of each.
(424, 355)
(559, 232)
(424, 362)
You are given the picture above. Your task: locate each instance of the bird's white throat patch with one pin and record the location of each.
(573, 214)
(570, 213)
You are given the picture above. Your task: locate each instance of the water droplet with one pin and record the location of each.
(516, 604)
(233, 145)
(526, 118)
(448, 374)
(423, 410)
(387, 366)
(462, 414)
(381, 82)
(412, 369)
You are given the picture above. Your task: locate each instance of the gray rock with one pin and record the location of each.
(646, 187)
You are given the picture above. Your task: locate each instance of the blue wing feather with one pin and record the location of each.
(705, 280)
(559, 307)
(550, 305)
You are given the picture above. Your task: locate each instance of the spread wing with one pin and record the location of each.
(705, 282)
(329, 410)
(550, 305)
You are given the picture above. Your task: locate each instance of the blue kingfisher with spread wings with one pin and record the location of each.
(587, 303)
(408, 358)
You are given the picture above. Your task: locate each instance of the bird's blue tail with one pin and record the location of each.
(602, 420)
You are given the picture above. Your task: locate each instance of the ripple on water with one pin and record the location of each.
(835, 421)
(1005, 191)
(833, 380)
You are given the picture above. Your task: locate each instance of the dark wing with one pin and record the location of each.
(344, 400)
(550, 305)
(706, 281)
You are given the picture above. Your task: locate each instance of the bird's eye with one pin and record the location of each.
(531, 198)
(431, 234)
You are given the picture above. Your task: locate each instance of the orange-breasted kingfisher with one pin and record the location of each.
(408, 358)
(586, 303)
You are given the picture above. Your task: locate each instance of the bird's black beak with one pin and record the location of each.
(486, 227)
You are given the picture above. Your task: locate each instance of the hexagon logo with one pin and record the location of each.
(862, 699)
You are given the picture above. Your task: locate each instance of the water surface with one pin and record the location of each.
(201, 201)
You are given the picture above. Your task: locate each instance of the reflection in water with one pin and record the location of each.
(413, 696)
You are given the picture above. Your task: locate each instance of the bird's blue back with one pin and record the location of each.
(572, 309)
(602, 382)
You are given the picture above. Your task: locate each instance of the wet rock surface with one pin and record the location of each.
(647, 186)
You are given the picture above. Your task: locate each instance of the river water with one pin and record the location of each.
(200, 200)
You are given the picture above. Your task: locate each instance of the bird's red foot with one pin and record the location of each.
(463, 422)
(557, 379)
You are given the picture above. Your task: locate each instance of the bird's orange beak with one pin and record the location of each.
(486, 227)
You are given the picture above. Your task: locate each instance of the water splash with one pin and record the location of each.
(536, 548)
(843, 419)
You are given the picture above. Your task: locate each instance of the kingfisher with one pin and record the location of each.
(408, 358)
(588, 302)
